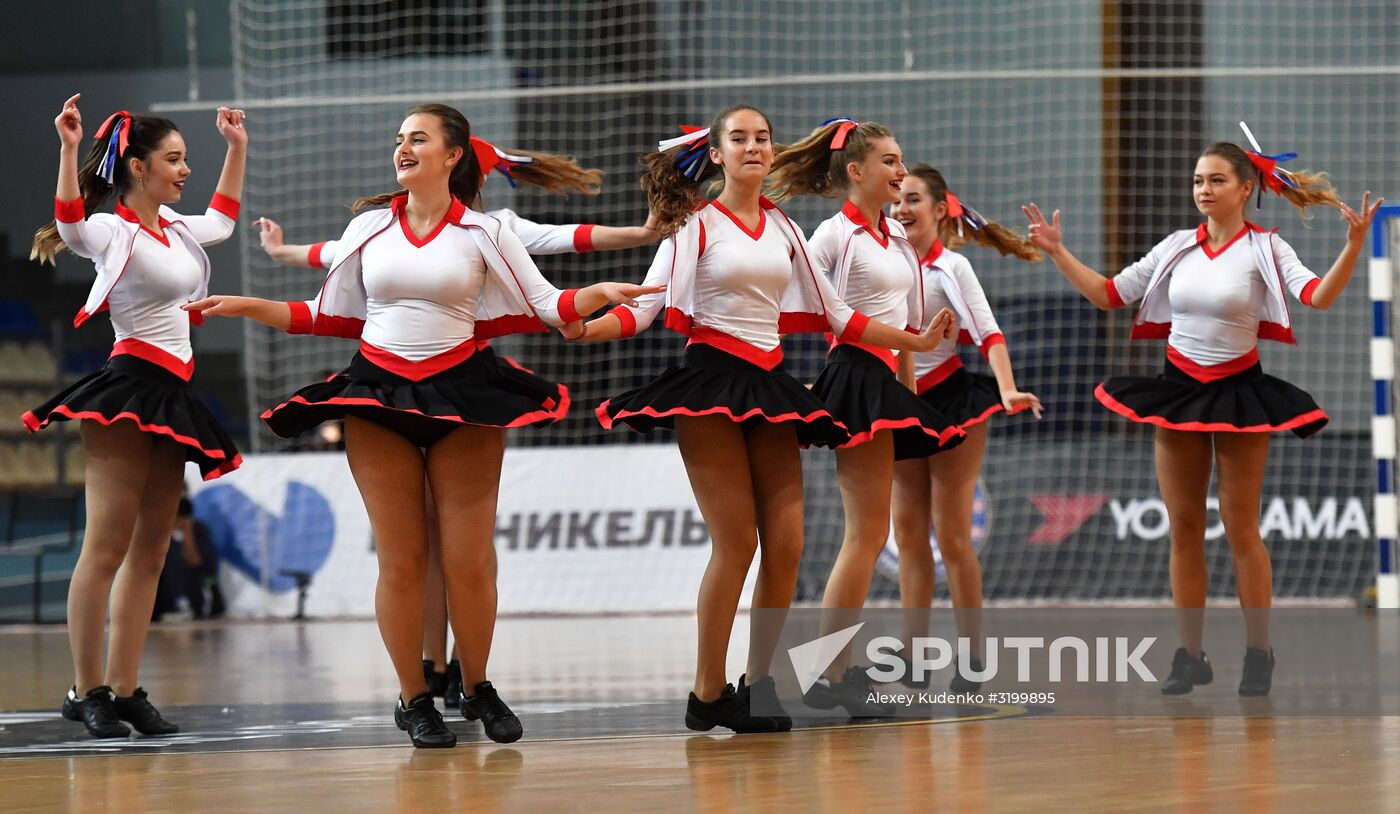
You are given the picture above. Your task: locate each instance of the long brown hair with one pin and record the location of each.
(1314, 189)
(811, 167)
(465, 181)
(992, 235)
(671, 194)
(559, 174)
(145, 136)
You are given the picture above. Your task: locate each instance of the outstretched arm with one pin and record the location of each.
(288, 254)
(268, 312)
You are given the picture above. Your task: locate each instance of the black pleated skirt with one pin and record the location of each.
(159, 402)
(863, 393)
(1248, 401)
(709, 381)
(481, 391)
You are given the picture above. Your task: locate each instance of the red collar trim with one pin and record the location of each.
(126, 213)
(934, 252)
(882, 235)
(753, 234)
(1203, 238)
(399, 206)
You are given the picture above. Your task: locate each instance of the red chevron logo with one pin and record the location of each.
(1063, 515)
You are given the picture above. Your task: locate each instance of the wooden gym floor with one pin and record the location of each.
(280, 716)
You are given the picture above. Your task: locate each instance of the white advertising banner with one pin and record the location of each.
(578, 530)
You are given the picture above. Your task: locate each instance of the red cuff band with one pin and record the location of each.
(567, 312)
(301, 318)
(628, 320)
(583, 238)
(1114, 300)
(854, 329)
(69, 211)
(313, 255)
(1308, 290)
(224, 205)
(989, 342)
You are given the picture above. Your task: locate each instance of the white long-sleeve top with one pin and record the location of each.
(873, 268)
(538, 238)
(738, 289)
(419, 305)
(949, 282)
(144, 276)
(1219, 303)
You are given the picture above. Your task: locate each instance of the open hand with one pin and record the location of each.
(221, 305)
(1016, 401)
(1359, 223)
(627, 293)
(1044, 234)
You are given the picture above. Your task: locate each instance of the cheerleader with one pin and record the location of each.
(420, 283)
(553, 173)
(550, 172)
(938, 491)
(1213, 292)
(140, 422)
(738, 275)
(874, 268)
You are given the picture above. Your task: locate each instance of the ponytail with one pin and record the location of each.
(816, 165)
(1307, 188)
(964, 223)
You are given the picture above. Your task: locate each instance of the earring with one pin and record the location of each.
(142, 180)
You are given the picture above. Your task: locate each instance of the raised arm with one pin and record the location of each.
(219, 220)
(86, 239)
(1336, 279)
(1046, 236)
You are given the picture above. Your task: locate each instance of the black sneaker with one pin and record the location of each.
(142, 715)
(852, 692)
(423, 723)
(908, 680)
(1258, 677)
(961, 684)
(452, 693)
(486, 706)
(96, 712)
(763, 695)
(437, 682)
(1187, 673)
(730, 710)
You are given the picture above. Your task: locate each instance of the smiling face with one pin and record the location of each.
(745, 148)
(161, 175)
(422, 157)
(878, 175)
(1218, 191)
(917, 211)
